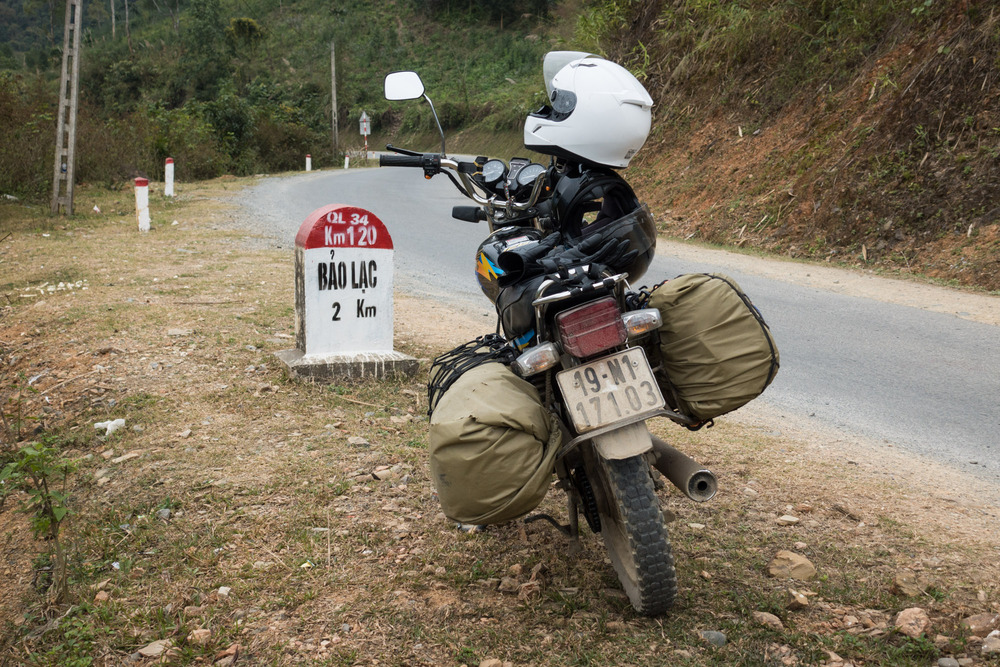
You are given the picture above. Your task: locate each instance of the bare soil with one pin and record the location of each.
(896, 169)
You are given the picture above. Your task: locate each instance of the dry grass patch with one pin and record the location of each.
(298, 520)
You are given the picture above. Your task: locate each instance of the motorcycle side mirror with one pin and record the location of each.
(408, 86)
(403, 86)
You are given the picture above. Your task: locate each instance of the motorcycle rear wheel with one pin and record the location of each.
(635, 534)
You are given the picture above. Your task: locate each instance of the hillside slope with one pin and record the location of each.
(858, 133)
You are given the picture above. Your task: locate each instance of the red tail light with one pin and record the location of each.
(591, 328)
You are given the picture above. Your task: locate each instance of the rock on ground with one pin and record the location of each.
(909, 584)
(795, 600)
(991, 645)
(493, 662)
(790, 565)
(912, 622)
(714, 637)
(769, 620)
(201, 636)
(981, 625)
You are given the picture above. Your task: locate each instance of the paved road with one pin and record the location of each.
(924, 381)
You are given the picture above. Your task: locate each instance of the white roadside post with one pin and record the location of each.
(309, 162)
(168, 178)
(347, 161)
(142, 203)
(343, 298)
(366, 129)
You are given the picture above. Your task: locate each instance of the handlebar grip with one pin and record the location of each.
(401, 160)
(468, 213)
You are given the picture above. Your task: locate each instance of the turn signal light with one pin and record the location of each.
(591, 328)
(537, 359)
(638, 322)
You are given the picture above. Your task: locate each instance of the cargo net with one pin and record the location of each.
(452, 364)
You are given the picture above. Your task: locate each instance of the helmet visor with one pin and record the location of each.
(563, 102)
(555, 61)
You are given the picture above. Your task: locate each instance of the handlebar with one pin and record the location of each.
(434, 163)
(541, 298)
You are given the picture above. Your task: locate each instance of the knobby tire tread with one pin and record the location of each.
(644, 527)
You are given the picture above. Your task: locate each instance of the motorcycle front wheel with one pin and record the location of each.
(635, 534)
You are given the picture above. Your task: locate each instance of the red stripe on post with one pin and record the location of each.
(343, 226)
(141, 182)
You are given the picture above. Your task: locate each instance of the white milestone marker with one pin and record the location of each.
(168, 178)
(142, 203)
(343, 298)
(345, 254)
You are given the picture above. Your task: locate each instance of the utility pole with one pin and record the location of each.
(62, 180)
(333, 87)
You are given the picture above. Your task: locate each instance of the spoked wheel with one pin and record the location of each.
(635, 534)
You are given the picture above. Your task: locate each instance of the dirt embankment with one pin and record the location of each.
(897, 168)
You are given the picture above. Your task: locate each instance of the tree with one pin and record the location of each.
(498, 12)
(204, 59)
(244, 34)
(173, 10)
(47, 7)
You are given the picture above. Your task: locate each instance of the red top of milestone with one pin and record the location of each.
(342, 226)
(141, 182)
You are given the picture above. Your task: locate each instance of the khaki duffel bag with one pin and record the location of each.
(717, 352)
(492, 446)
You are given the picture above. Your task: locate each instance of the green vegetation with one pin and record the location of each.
(40, 472)
(753, 54)
(858, 132)
(244, 87)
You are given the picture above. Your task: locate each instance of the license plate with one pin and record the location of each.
(609, 390)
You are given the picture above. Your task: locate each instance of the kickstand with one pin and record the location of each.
(565, 530)
(573, 508)
(571, 530)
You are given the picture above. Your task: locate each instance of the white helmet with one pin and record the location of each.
(598, 112)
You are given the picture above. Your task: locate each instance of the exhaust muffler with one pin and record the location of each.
(697, 483)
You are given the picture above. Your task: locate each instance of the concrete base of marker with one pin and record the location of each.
(361, 365)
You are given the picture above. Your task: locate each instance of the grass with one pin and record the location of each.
(328, 565)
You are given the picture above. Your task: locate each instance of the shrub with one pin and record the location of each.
(26, 152)
(282, 145)
(185, 136)
(110, 151)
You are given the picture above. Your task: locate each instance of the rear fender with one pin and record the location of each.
(625, 442)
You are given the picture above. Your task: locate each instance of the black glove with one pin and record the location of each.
(594, 250)
(548, 257)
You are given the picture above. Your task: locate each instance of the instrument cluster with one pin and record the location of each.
(515, 179)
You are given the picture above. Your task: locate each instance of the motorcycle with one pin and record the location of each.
(565, 239)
